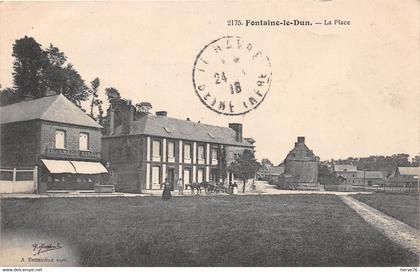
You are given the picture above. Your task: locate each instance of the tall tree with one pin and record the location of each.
(112, 93)
(95, 101)
(61, 77)
(37, 71)
(29, 66)
(245, 167)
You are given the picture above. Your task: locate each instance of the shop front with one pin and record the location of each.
(71, 175)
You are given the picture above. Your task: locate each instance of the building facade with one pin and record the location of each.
(300, 168)
(405, 177)
(156, 148)
(346, 171)
(369, 178)
(55, 135)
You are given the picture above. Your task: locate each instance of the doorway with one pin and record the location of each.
(187, 176)
(171, 178)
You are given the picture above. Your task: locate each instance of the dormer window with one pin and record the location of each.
(210, 135)
(167, 130)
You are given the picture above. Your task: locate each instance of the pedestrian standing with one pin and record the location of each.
(235, 188)
(180, 186)
(166, 194)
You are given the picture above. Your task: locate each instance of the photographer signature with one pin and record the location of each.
(45, 247)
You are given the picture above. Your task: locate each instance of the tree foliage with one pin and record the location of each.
(95, 101)
(29, 67)
(144, 107)
(326, 176)
(266, 161)
(385, 164)
(37, 72)
(245, 166)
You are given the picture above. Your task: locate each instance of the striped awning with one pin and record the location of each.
(74, 167)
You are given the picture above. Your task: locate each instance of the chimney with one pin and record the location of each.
(188, 119)
(238, 130)
(162, 113)
(127, 126)
(111, 116)
(301, 140)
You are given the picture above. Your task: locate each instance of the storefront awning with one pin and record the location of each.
(88, 168)
(74, 167)
(59, 167)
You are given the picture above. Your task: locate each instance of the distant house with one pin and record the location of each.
(405, 176)
(144, 153)
(55, 135)
(369, 178)
(270, 173)
(300, 168)
(346, 171)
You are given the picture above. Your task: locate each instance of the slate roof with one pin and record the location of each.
(369, 175)
(168, 127)
(409, 171)
(344, 168)
(56, 108)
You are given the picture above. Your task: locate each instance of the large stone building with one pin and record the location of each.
(144, 153)
(56, 136)
(300, 168)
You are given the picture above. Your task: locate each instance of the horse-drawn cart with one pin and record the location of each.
(209, 188)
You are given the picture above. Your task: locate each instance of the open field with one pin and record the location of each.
(286, 230)
(400, 206)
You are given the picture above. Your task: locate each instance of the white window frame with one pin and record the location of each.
(187, 159)
(203, 176)
(155, 175)
(64, 139)
(214, 150)
(156, 157)
(171, 157)
(203, 159)
(87, 141)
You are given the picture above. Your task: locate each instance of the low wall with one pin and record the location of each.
(22, 186)
(339, 188)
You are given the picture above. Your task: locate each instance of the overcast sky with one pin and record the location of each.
(351, 90)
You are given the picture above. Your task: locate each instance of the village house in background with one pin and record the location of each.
(143, 153)
(270, 173)
(405, 177)
(55, 137)
(300, 168)
(369, 178)
(346, 171)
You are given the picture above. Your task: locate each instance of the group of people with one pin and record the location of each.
(167, 187)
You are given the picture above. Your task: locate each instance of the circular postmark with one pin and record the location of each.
(231, 76)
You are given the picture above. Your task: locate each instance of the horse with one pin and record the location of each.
(193, 186)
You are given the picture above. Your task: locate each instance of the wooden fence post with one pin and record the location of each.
(35, 178)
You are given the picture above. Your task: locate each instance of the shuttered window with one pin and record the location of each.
(60, 139)
(83, 141)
